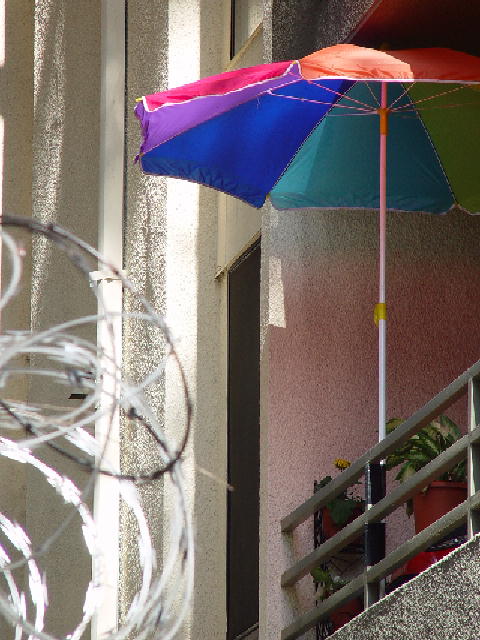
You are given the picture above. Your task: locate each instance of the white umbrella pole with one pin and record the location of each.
(380, 309)
(374, 473)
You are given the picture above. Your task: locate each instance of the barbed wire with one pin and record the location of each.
(59, 356)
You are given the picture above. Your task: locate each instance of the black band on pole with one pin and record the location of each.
(374, 532)
(375, 482)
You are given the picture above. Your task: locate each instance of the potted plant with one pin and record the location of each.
(443, 494)
(328, 583)
(342, 509)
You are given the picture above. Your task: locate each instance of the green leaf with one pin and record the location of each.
(423, 447)
(341, 509)
(394, 460)
(448, 427)
(322, 576)
(418, 459)
(426, 446)
(405, 472)
(458, 473)
(393, 423)
(323, 482)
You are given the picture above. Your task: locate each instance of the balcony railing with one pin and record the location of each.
(368, 581)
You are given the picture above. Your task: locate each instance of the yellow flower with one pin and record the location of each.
(342, 464)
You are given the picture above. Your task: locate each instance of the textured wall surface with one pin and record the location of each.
(144, 261)
(321, 347)
(290, 27)
(210, 446)
(239, 222)
(337, 20)
(65, 190)
(442, 603)
(295, 28)
(171, 252)
(16, 120)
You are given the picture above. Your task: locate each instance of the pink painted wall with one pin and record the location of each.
(319, 382)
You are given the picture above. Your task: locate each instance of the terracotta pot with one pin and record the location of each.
(328, 525)
(345, 613)
(436, 501)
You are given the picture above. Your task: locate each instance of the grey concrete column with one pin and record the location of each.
(16, 120)
(144, 262)
(65, 190)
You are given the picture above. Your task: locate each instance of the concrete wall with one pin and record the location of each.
(174, 224)
(171, 251)
(239, 223)
(195, 307)
(53, 52)
(16, 120)
(145, 246)
(65, 190)
(295, 28)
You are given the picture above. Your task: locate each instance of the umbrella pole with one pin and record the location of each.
(380, 310)
(375, 472)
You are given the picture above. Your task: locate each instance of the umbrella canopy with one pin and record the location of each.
(313, 133)
(277, 129)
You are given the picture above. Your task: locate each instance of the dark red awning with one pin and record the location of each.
(401, 24)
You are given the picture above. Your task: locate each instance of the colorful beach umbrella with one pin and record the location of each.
(313, 133)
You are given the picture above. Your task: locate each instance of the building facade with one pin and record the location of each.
(294, 291)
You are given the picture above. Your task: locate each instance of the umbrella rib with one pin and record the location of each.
(343, 106)
(437, 106)
(344, 96)
(373, 112)
(372, 93)
(405, 92)
(436, 95)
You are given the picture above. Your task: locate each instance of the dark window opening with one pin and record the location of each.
(243, 446)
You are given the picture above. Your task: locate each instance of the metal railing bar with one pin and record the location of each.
(325, 550)
(421, 479)
(438, 529)
(392, 501)
(418, 543)
(418, 420)
(245, 634)
(473, 465)
(475, 436)
(323, 496)
(385, 567)
(307, 620)
(474, 502)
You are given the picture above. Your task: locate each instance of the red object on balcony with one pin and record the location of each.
(425, 559)
(345, 613)
(329, 527)
(416, 565)
(436, 501)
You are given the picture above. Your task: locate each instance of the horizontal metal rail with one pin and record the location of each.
(394, 560)
(308, 620)
(467, 447)
(401, 434)
(392, 501)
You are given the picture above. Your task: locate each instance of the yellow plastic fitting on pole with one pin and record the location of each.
(379, 312)
(383, 113)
